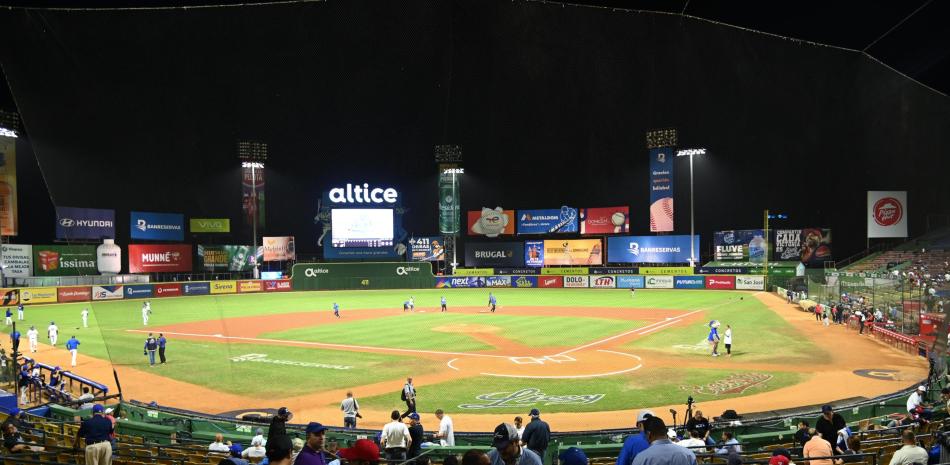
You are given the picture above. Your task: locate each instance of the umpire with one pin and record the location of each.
(96, 430)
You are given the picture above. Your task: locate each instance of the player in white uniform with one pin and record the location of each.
(412, 304)
(146, 311)
(33, 335)
(53, 332)
(85, 318)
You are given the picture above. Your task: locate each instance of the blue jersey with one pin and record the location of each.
(491, 299)
(713, 335)
(405, 304)
(14, 336)
(9, 313)
(72, 344)
(443, 301)
(19, 307)
(336, 308)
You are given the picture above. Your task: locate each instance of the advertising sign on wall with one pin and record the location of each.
(816, 246)
(18, 260)
(666, 270)
(168, 290)
(534, 253)
(138, 291)
(743, 245)
(547, 221)
(151, 226)
(223, 287)
(524, 281)
(498, 281)
(471, 281)
(659, 282)
(281, 248)
(64, 260)
(210, 225)
(576, 281)
(573, 252)
(74, 294)
(252, 196)
(628, 282)
(488, 254)
(107, 292)
(449, 202)
(603, 282)
(720, 282)
(751, 283)
(427, 248)
(661, 189)
(10, 297)
(162, 258)
(689, 282)
(250, 286)
(84, 223)
(8, 195)
(38, 295)
(887, 214)
(787, 244)
(610, 220)
(491, 222)
(196, 289)
(277, 285)
(551, 281)
(650, 249)
(225, 257)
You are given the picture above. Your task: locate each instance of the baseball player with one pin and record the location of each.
(412, 304)
(85, 318)
(15, 339)
(491, 302)
(9, 319)
(19, 311)
(405, 306)
(713, 337)
(633, 291)
(72, 345)
(53, 333)
(336, 309)
(33, 335)
(146, 311)
(444, 308)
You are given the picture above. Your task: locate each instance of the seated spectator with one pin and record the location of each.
(86, 398)
(259, 436)
(853, 449)
(572, 456)
(911, 453)
(256, 452)
(363, 452)
(219, 445)
(451, 460)
(235, 458)
(801, 436)
(475, 457)
(298, 446)
(694, 442)
(507, 449)
(13, 442)
(17, 418)
(817, 447)
(729, 444)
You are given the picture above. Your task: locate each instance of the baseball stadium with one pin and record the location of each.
(516, 233)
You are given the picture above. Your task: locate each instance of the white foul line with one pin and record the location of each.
(642, 329)
(450, 364)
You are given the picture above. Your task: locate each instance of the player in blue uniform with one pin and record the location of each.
(336, 309)
(19, 311)
(405, 306)
(443, 304)
(713, 337)
(491, 302)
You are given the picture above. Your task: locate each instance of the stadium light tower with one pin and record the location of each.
(253, 154)
(692, 223)
(449, 160)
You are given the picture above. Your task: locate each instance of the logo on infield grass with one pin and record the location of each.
(735, 383)
(529, 396)
(262, 358)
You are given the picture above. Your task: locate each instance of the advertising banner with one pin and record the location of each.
(225, 258)
(210, 225)
(666, 270)
(565, 271)
(524, 281)
(196, 288)
(689, 282)
(427, 248)
(151, 226)
(751, 283)
(107, 292)
(743, 245)
(887, 214)
(609, 220)
(650, 249)
(64, 260)
(38, 295)
(18, 260)
(10, 297)
(787, 244)
(603, 282)
(474, 272)
(573, 252)
(252, 196)
(497, 281)
(549, 221)
(277, 285)
(223, 287)
(576, 281)
(659, 282)
(167, 290)
(8, 195)
(358, 253)
(139, 291)
(491, 222)
(816, 246)
(511, 271)
(254, 285)
(84, 223)
(534, 253)
(281, 248)
(73, 294)
(722, 270)
(720, 282)
(661, 189)
(551, 281)
(490, 254)
(450, 203)
(630, 282)
(471, 281)
(608, 270)
(161, 258)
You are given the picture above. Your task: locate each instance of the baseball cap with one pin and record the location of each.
(279, 447)
(644, 414)
(778, 460)
(14, 412)
(97, 408)
(236, 448)
(505, 434)
(573, 456)
(362, 450)
(825, 408)
(534, 412)
(921, 388)
(283, 411)
(414, 416)
(314, 427)
(109, 410)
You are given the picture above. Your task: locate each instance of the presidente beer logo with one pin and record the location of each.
(735, 383)
(888, 211)
(529, 396)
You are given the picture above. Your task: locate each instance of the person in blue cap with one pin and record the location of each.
(19, 311)
(15, 339)
(572, 456)
(312, 452)
(636, 443)
(537, 434)
(72, 345)
(713, 337)
(9, 319)
(96, 431)
(235, 458)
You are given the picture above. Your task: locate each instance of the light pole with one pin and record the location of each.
(253, 154)
(692, 221)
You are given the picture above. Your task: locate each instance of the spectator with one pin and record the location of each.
(298, 446)
(801, 436)
(256, 451)
(453, 460)
(507, 448)
(911, 453)
(218, 445)
(853, 449)
(235, 458)
(636, 443)
(572, 456)
(332, 448)
(916, 404)
(701, 424)
(779, 460)
(279, 450)
(86, 398)
(17, 418)
(259, 437)
(537, 434)
(96, 430)
(829, 423)
(945, 397)
(363, 452)
(395, 438)
(729, 444)
(312, 453)
(416, 435)
(662, 451)
(694, 442)
(446, 432)
(519, 425)
(278, 424)
(817, 447)
(475, 457)
(13, 442)
(351, 409)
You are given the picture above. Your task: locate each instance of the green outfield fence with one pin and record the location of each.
(355, 276)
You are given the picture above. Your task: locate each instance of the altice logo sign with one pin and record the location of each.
(363, 194)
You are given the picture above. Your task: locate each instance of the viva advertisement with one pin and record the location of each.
(252, 196)
(534, 253)
(491, 222)
(887, 214)
(743, 245)
(278, 249)
(573, 252)
(661, 189)
(650, 249)
(8, 196)
(551, 221)
(630, 282)
(610, 220)
(787, 244)
(816, 246)
(163, 258)
(427, 248)
(84, 223)
(17, 260)
(450, 205)
(225, 258)
(64, 260)
(150, 226)
(209, 225)
(492, 254)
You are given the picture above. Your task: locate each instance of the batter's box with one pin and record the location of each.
(527, 360)
(560, 358)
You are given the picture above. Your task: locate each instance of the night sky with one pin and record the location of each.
(142, 111)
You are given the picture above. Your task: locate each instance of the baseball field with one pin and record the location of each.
(568, 352)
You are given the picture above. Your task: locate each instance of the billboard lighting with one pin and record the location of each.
(252, 164)
(4, 132)
(453, 171)
(690, 152)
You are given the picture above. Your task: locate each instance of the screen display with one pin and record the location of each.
(362, 227)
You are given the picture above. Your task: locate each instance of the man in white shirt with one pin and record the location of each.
(146, 311)
(916, 400)
(53, 332)
(33, 335)
(911, 453)
(259, 437)
(85, 318)
(727, 340)
(446, 432)
(395, 439)
(351, 409)
(218, 445)
(256, 451)
(694, 442)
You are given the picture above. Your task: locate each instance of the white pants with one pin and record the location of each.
(52, 339)
(74, 352)
(20, 314)
(144, 320)
(32, 345)
(9, 320)
(85, 322)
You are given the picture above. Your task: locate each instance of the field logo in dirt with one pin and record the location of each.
(735, 383)
(701, 346)
(529, 396)
(262, 358)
